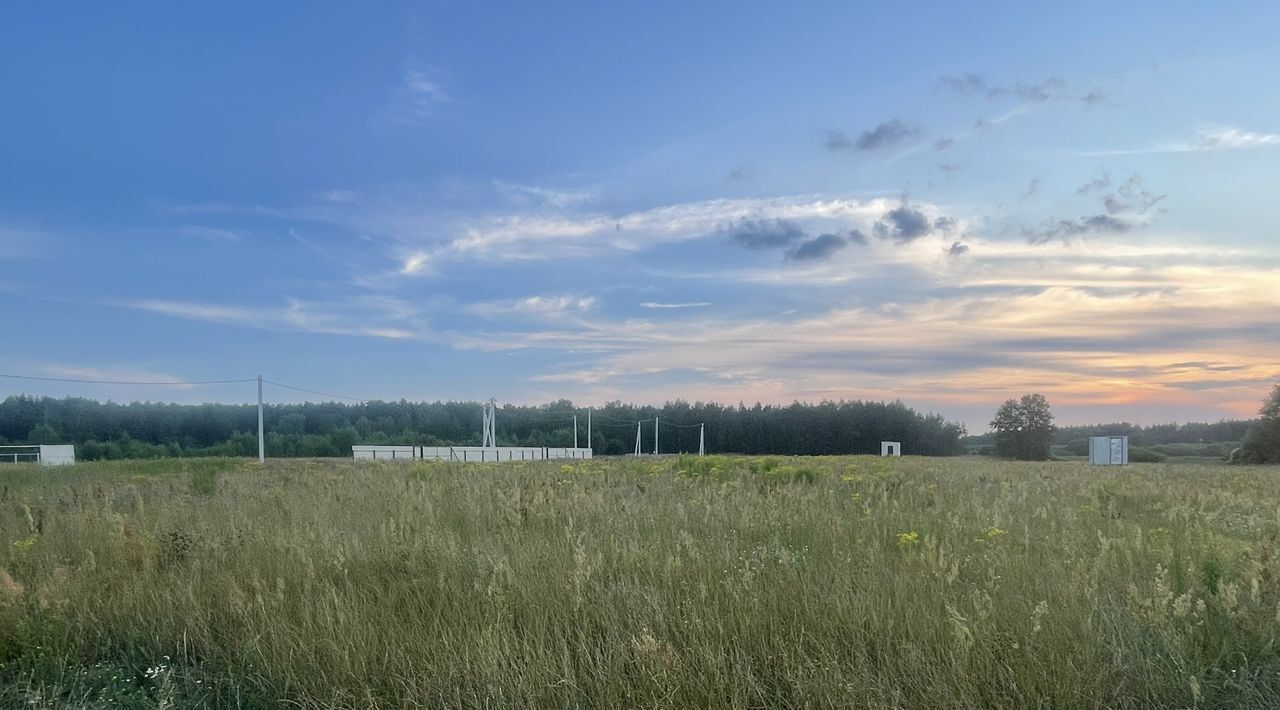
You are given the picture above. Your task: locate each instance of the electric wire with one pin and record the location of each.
(314, 392)
(127, 382)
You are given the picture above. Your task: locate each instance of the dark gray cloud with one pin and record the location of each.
(976, 84)
(958, 248)
(1032, 188)
(945, 224)
(820, 247)
(903, 224)
(838, 141)
(765, 233)
(1068, 228)
(1093, 97)
(886, 134)
(943, 143)
(1130, 196)
(948, 167)
(741, 172)
(967, 83)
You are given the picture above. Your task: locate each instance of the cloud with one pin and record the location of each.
(964, 83)
(820, 247)
(903, 224)
(340, 197)
(415, 262)
(1101, 182)
(530, 194)
(1032, 188)
(212, 234)
(943, 143)
(419, 95)
(838, 141)
(948, 168)
(1092, 328)
(118, 374)
(543, 307)
(957, 248)
(886, 134)
(970, 83)
(1207, 138)
(741, 172)
(1227, 138)
(664, 306)
(1093, 97)
(764, 233)
(372, 316)
(1069, 228)
(1129, 196)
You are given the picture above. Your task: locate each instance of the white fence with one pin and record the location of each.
(465, 454)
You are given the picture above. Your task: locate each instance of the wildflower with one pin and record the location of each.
(908, 539)
(1037, 615)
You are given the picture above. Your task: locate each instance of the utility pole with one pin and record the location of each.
(702, 439)
(489, 437)
(637, 438)
(589, 444)
(262, 448)
(575, 431)
(655, 436)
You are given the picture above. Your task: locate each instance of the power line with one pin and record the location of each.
(681, 426)
(624, 421)
(127, 382)
(303, 389)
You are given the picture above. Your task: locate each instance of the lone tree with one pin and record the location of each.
(1023, 428)
(1262, 442)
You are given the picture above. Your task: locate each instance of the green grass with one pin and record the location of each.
(675, 582)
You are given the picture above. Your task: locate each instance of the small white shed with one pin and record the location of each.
(44, 454)
(891, 448)
(1109, 450)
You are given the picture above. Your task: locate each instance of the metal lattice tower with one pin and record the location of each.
(490, 419)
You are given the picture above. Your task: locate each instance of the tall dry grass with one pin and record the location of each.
(716, 582)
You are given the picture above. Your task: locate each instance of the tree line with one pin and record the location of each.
(1024, 429)
(109, 430)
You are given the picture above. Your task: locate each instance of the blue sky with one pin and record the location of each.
(949, 205)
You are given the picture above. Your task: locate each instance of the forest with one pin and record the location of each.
(109, 430)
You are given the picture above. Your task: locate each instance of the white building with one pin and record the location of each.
(891, 448)
(1109, 450)
(43, 454)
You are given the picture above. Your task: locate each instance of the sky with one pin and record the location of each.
(948, 204)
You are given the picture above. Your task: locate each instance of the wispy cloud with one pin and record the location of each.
(542, 307)
(1028, 92)
(695, 304)
(119, 374)
(532, 194)
(1208, 138)
(419, 95)
(212, 234)
(568, 233)
(372, 316)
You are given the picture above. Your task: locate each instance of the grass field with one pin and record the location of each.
(680, 583)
